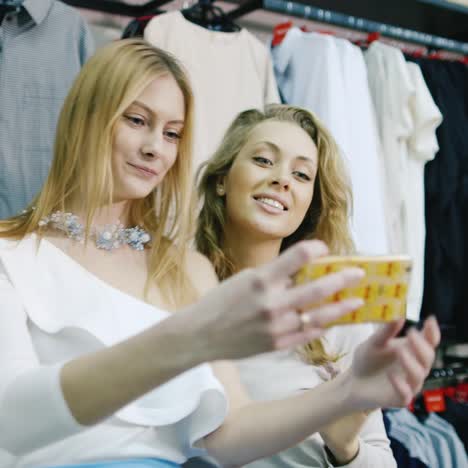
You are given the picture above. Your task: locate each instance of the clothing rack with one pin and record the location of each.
(119, 8)
(296, 9)
(445, 376)
(304, 11)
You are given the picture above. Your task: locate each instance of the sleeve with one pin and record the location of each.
(86, 43)
(282, 54)
(374, 446)
(33, 411)
(271, 87)
(157, 31)
(427, 116)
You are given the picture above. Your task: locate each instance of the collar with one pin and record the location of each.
(38, 9)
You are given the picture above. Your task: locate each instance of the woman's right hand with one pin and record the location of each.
(256, 310)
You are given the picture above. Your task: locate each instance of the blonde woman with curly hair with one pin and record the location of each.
(276, 179)
(103, 361)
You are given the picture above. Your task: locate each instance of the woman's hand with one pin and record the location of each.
(257, 310)
(389, 371)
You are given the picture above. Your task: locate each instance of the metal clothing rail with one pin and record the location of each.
(339, 19)
(290, 8)
(118, 8)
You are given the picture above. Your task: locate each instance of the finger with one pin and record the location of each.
(431, 331)
(385, 333)
(402, 389)
(316, 323)
(421, 349)
(299, 338)
(316, 291)
(323, 315)
(290, 261)
(288, 322)
(415, 373)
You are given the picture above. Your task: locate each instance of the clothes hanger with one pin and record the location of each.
(209, 16)
(8, 6)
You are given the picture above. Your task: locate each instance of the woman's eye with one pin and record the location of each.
(137, 121)
(302, 175)
(173, 135)
(262, 160)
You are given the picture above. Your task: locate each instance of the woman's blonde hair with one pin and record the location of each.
(81, 170)
(326, 218)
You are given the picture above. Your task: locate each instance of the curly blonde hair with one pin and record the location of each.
(81, 170)
(327, 217)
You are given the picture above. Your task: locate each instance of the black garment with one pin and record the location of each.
(446, 182)
(400, 452)
(457, 415)
(136, 27)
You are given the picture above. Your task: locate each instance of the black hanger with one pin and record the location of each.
(209, 16)
(7, 6)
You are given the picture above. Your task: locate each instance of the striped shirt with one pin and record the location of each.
(42, 48)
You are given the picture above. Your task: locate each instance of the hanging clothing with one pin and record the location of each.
(406, 429)
(391, 89)
(140, 463)
(456, 414)
(42, 49)
(432, 440)
(446, 201)
(54, 310)
(422, 147)
(447, 443)
(408, 118)
(229, 73)
(400, 452)
(327, 76)
(281, 374)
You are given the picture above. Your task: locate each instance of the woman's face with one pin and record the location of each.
(146, 140)
(271, 182)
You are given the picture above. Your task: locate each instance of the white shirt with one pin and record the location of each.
(408, 118)
(327, 76)
(281, 374)
(392, 87)
(53, 310)
(229, 73)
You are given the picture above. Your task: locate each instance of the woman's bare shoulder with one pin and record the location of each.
(201, 271)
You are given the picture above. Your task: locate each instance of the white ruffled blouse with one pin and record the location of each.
(53, 310)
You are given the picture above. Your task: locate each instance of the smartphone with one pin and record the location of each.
(384, 287)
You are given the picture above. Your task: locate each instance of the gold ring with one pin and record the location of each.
(305, 320)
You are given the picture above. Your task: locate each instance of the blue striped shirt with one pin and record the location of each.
(42, 49)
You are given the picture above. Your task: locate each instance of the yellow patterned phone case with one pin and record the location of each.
(384, 287)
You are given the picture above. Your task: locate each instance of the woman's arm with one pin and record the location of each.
(262, 429)
(43, 404)
(386, 371)
(256, 430)
(359, 441)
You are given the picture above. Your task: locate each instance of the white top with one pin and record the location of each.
(328, 76)
(229, 73)
(392, 87)
(277, 375)
(408, 118)
(422, 147)
(53, 310)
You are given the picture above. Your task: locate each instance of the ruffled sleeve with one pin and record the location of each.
(33, 412)
(46, 290)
